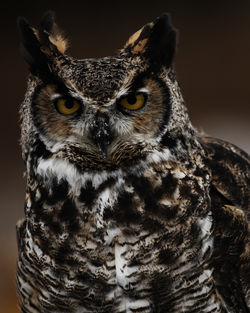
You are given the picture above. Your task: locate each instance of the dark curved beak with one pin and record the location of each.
(100, 132)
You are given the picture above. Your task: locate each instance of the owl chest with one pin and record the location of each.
(121, 238)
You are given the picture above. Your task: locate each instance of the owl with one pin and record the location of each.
(128, 207)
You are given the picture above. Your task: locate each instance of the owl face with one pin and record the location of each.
(113, 109)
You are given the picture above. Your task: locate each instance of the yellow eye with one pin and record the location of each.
(133, 102)
(67, 106)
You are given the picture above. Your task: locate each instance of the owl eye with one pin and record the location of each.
(133, 102)
(67, 106)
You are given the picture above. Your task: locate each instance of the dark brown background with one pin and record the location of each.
(212, 64)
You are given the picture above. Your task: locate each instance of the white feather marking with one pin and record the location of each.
(205, 225)
(137, 304)
(57, 147)
(212, 305)
(159, 156)
(205, 276)
(119, 265)
(165, 202)
(55, 96)
(37, 250)
(186, 267)
(176, 194)
(49, 273)
(111, 234)
(124, 91)
(178, 174)
(59, 168)
(90, 245)
(28, 201)
(38, 194)
(25, 286)
(105, 200)
(64, 170)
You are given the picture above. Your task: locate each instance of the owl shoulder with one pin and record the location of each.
(230, 169)
(230, 205)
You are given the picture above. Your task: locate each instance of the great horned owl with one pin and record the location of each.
(128, 208)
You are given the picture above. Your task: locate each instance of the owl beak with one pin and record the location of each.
(100, 133)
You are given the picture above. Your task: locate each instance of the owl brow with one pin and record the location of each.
(143, 90)
(138, 81)
(126, 92)
(53, 78)
(70, 93)
(64, 91)
(55, 96)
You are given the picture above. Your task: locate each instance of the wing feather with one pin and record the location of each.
(230, 203)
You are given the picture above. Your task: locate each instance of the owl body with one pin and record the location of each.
(128, 208)
(128, 239)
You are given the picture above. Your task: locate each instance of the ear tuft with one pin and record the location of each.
(156, 41)
(48, 28)
(42, 46)
(162, 45)
(47, 22)
(30, 46)
(138, 41)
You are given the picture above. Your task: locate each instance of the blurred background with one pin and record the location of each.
(212, 63)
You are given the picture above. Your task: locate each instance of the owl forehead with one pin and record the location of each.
(101, 79)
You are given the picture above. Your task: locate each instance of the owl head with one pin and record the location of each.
(102, 113)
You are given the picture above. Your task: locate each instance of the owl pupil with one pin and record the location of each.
(131, 99)
(69, 103)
